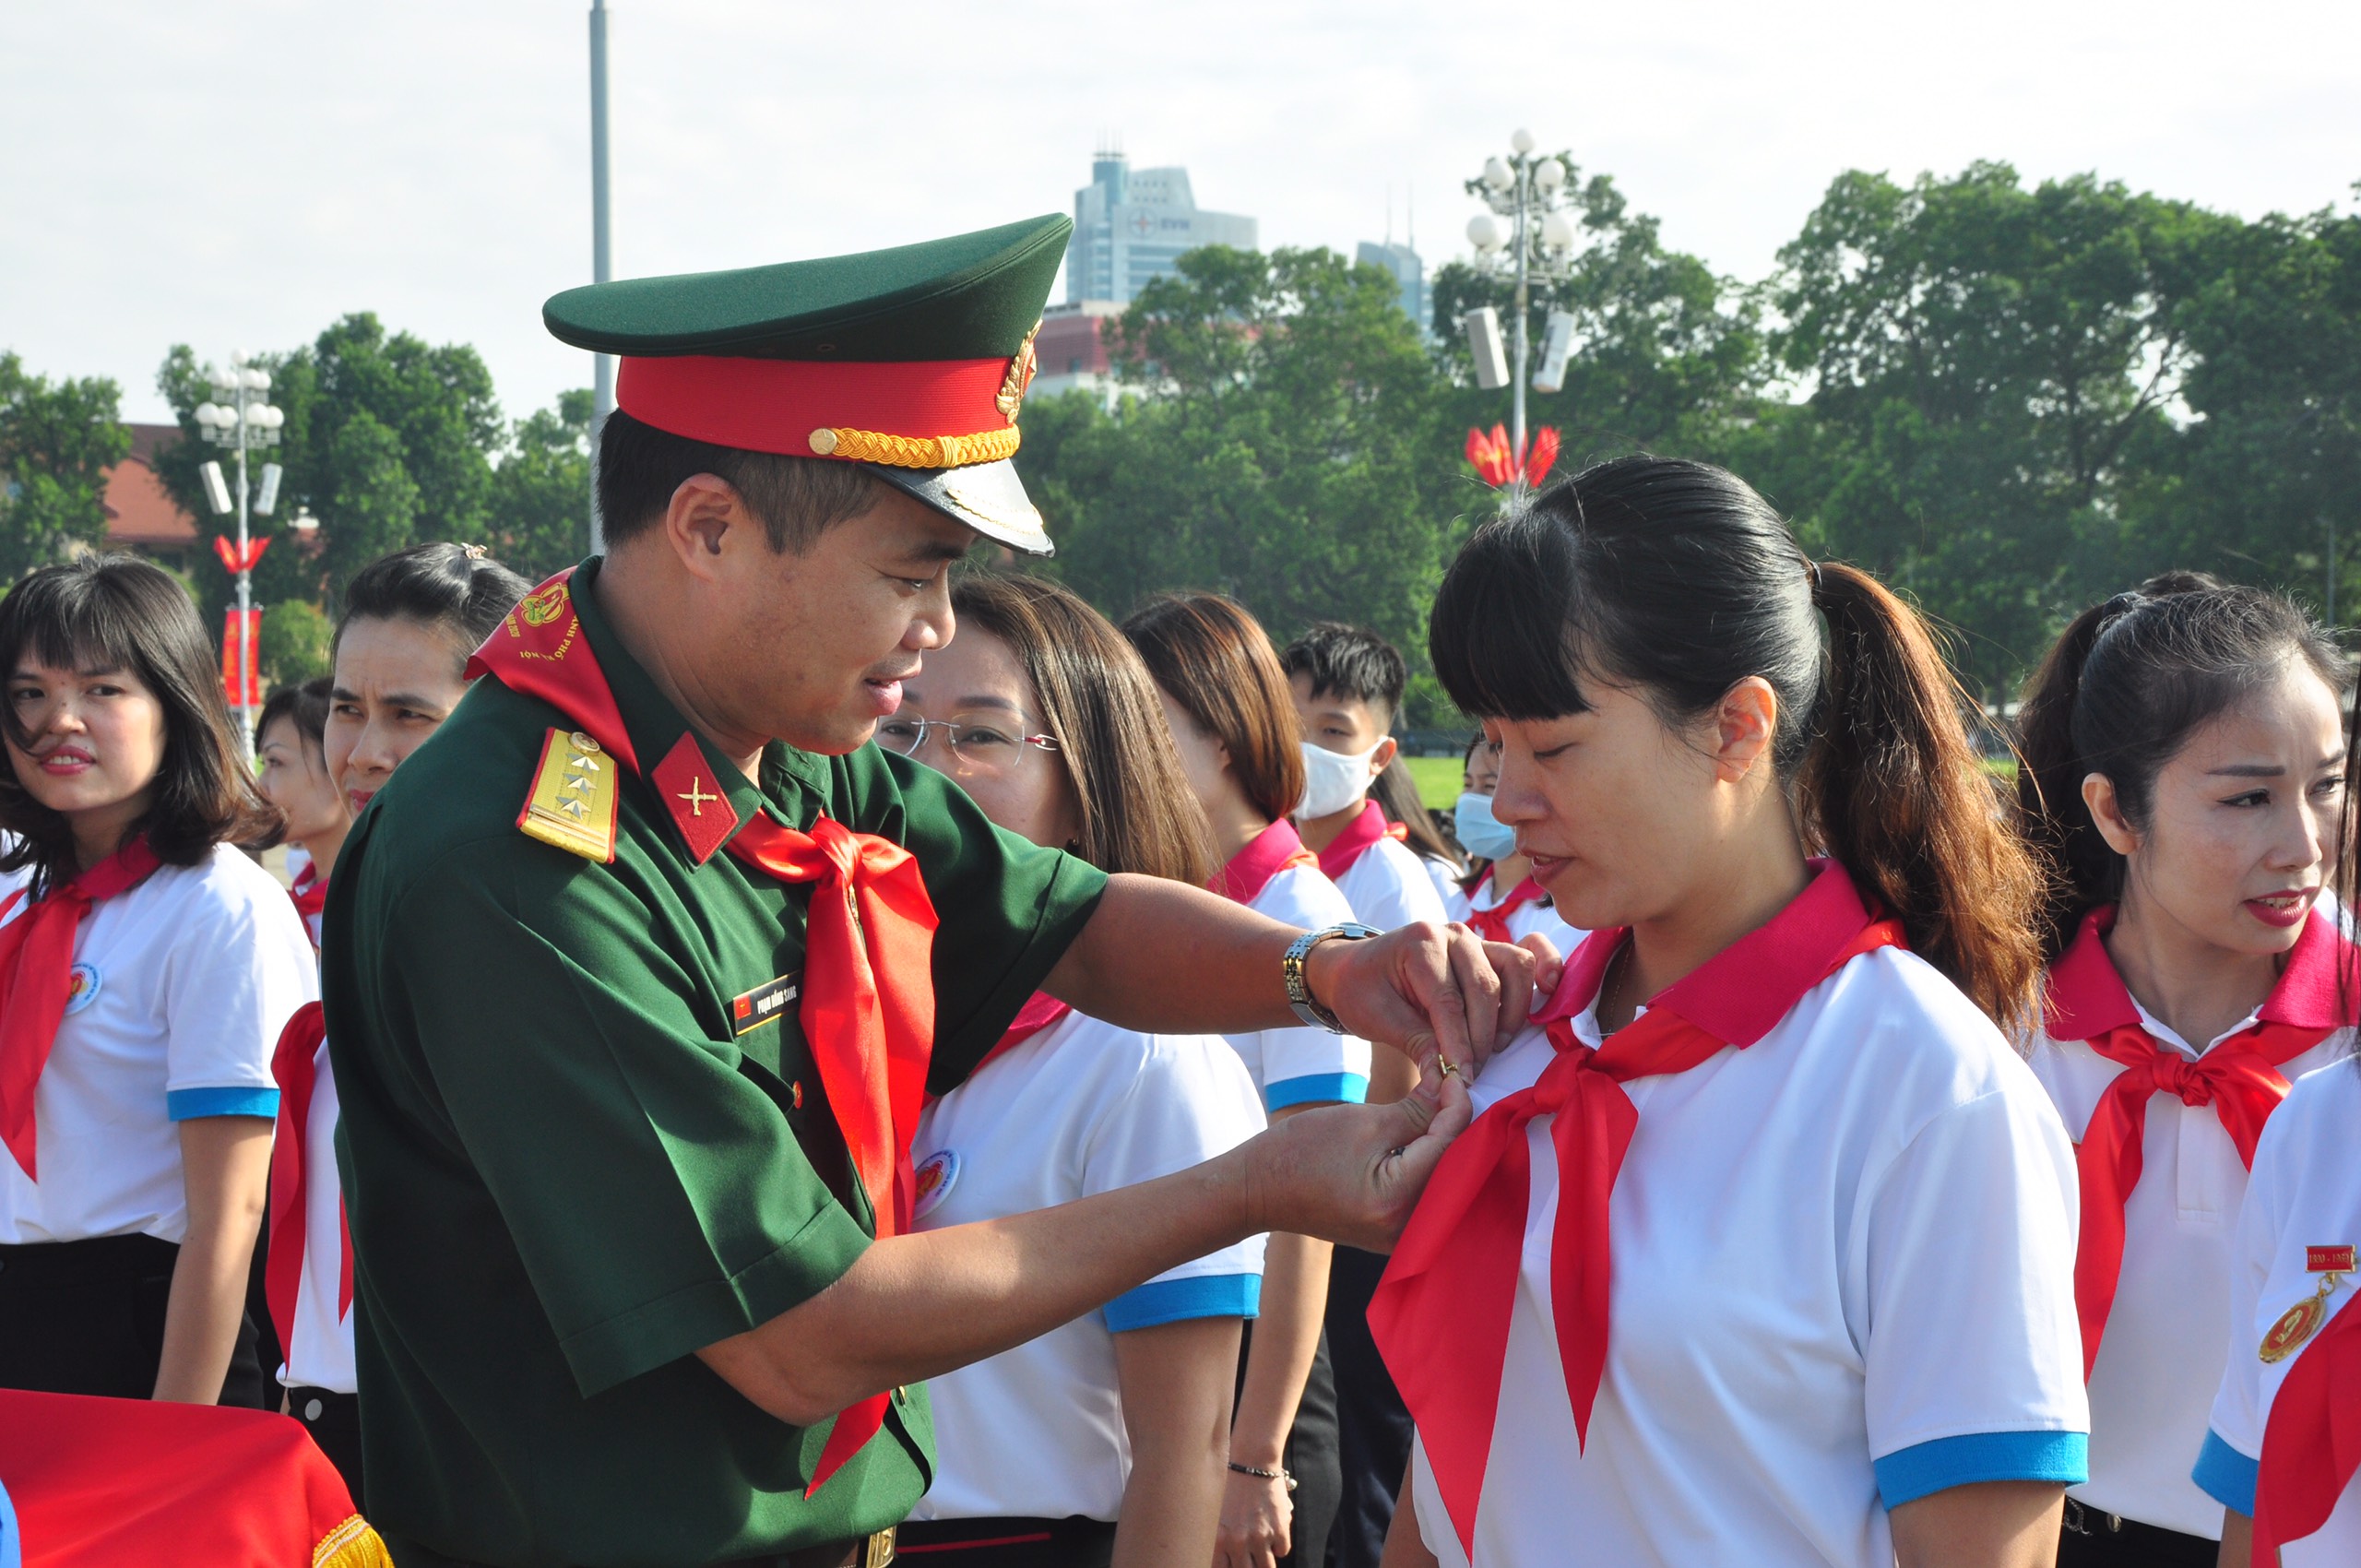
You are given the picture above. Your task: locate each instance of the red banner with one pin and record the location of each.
(233, 659)
(232, 562)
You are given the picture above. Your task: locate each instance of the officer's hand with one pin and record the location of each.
(1257, 1523)
(1427, 989)
(1352, 1173)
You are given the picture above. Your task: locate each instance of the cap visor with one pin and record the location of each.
(988, 497)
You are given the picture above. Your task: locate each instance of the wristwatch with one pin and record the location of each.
(1300, 997)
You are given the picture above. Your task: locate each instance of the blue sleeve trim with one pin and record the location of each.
(1925, 1468)
(1317, 1088)
(189, 1105)
(2225, 1475)
(1173, 1300)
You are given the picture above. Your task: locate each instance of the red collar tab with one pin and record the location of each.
(1273, 851)
(1354, 840)
(2087, 997)
(694, 796)
(778, 405)
(1739, 994)
(539, 649)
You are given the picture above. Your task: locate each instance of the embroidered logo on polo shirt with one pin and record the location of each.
(763, 1006)
(936, 1177)
(82, 985)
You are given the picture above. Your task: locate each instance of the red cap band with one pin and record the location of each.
(774, 405)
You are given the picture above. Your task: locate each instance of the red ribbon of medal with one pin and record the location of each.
(2240, 1078)
(295, 1066)
(868, 1002)
(1360, 833)
(1493, 923)
(2311, 1444)
(36, 982)
(1440, 1315)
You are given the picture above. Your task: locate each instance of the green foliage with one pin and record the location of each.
(56, 441)
(294, 644)
(539, 514)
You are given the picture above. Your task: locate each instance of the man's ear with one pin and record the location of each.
(1383, 758)
(2107, 810)
(705, 518)
(1744, 726)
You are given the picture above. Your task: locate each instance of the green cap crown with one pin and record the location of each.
(969, 297)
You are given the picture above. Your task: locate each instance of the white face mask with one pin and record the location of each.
(1332, 781)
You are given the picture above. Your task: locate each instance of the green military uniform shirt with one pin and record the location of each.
(566, 1171)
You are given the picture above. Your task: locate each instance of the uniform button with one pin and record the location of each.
(312, 1408)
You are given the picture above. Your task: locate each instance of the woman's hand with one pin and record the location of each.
(1427, 989)
(1352, 1173)
(1257, 1521)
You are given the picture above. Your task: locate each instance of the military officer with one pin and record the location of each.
(638, 972)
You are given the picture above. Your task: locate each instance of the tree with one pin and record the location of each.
(1279, 440)
(295, 643)
(56, 442)
(538, 519)
(420, 466)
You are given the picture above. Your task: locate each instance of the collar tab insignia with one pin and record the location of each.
(699, 808)
(574, 798)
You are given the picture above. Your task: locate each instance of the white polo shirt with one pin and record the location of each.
(2160, 1360)
(187, 981)
(1444, 878)
(1386, 885)
(1303, 1064)
(319, 1351)
(1538, 916)
(1843, 1279)
(1079, 1108)
(2304, 1192)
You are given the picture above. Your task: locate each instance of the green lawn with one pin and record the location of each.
(1438, 779)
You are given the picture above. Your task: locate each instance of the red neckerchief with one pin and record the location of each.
(310, 891)
(2311, 1444)
(1361, 833)
(1493, 923)
(295, 1066)
(36, 982)
(1277, 848)
(1441, 1313)
(1042, 1011)
(868, 1002)
(2240, 1078)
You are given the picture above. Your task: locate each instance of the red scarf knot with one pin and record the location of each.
(36, 982)
(2240, 1078)
(1493, 923)
(1440, 1315)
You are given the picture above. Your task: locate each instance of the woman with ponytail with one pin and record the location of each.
(1760, 1245)
(2184, 771)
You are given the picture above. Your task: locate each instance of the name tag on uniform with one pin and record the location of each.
(763, 1003)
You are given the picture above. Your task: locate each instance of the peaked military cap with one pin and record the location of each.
(912, 361)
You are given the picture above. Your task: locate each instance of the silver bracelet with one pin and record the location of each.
(1261, 1474)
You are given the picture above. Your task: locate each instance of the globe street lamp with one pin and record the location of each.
(1536, 243)
(239, 418)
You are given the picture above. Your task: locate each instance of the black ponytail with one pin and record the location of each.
(1677, 577)
(2119, 694)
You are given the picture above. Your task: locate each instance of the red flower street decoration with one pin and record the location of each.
(234, 562)
(1499, 467)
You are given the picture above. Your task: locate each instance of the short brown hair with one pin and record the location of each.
(797, 498)
(1098, 700)
(1215, 660)
(120, 613)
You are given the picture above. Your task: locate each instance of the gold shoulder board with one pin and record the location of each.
(573, 802)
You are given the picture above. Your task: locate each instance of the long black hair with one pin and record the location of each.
(1677, 577)
(120, 613)
(2119, 694)
(454, 589)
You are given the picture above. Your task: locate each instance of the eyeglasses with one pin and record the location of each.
(980, 747)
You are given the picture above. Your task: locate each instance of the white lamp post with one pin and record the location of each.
(241, 418)
(1538, 244)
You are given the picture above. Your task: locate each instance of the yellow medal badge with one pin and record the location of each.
(2303, 1320)
(574, 800)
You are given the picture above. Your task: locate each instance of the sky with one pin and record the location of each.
(240, 174)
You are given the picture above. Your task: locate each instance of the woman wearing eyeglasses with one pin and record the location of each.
(1104, 1441)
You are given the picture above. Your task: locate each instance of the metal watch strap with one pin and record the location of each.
(1300, 997)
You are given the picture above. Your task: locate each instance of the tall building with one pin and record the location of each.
(1409, 278)
(1131, 225)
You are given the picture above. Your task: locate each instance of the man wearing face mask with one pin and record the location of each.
(1347, 685)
